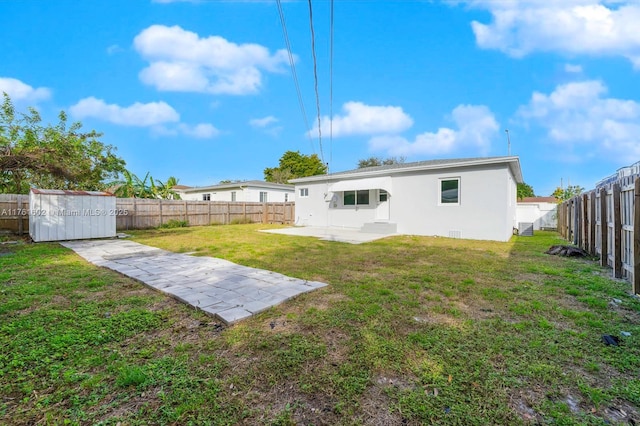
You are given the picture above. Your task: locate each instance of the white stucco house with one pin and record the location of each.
(248, 191)
(472, 198)
(542, 212)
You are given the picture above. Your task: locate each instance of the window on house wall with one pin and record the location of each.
(304, 192)
(356, 198)
(383, 196)
(233, 195)
(450, 191)
(263, 197)
(206, 197)
(286, 197)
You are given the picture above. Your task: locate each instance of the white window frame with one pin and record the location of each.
(440, 181)
(206, 197)
(286, 197)
(304, 192)
(264, 196)
(233, 196)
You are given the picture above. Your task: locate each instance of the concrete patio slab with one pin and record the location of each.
(342, 235)
(218, 287)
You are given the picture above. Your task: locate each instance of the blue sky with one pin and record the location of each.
(203, 90)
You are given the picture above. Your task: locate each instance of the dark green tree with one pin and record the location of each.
(379, 161)
(525, 190)
(49, 156)
(294, 165)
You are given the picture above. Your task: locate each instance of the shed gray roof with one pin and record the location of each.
(513, 162)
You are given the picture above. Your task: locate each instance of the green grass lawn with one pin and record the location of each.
(411, 330)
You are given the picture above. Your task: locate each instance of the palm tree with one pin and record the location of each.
(133, 187)
(165, 189)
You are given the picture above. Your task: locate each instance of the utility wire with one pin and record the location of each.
(331, 86)
(292, 64)
(315, 79)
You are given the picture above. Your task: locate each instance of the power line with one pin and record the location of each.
(315, 79)
(331, 86)
(292, 64)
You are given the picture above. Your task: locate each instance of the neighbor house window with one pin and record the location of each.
(263, 197)
(286, 197)
(356, 198)
(450, 191)
(304, 192)
(383, 196)
(206, 197)
(233, 195)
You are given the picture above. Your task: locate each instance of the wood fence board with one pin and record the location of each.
(617, 232)
(636, 238)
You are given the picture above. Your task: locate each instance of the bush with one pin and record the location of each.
(174, 223)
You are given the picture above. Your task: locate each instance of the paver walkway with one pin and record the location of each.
(218, 287)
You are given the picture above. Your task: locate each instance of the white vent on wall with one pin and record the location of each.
(455, 234)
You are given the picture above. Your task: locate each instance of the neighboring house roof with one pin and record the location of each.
(239, 185)
(538, 200)
(513, 162)
(180, 187)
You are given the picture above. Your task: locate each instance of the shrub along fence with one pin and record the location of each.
(142, 213)
(606, 223)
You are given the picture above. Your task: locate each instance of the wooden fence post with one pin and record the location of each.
(636, 237)
(592, 225)
(160, 209)
(604, 229)
(265, 213)
(228, 220)
(561, 215)
(20, 216)
(617, 229)
(186, 219)
(586, 223)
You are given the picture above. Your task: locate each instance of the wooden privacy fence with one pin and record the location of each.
(606, 223)
(142, 213)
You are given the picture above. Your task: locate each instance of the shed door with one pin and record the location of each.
(382, 210)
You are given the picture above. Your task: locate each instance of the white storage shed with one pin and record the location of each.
(56, 215)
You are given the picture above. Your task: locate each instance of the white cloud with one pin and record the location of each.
(593, 27)
(361, 119)
(573, 69)
(181, 60)
(19, 91)
(475, 127)
(113, 49)
(138, 114)
(199, 131)
(579, 115)
(263, 122)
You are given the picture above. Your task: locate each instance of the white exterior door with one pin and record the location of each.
(382, 209)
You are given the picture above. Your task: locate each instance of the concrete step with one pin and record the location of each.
(380, 228)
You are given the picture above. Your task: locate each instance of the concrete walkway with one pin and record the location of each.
(343, 235)
(218, 287)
